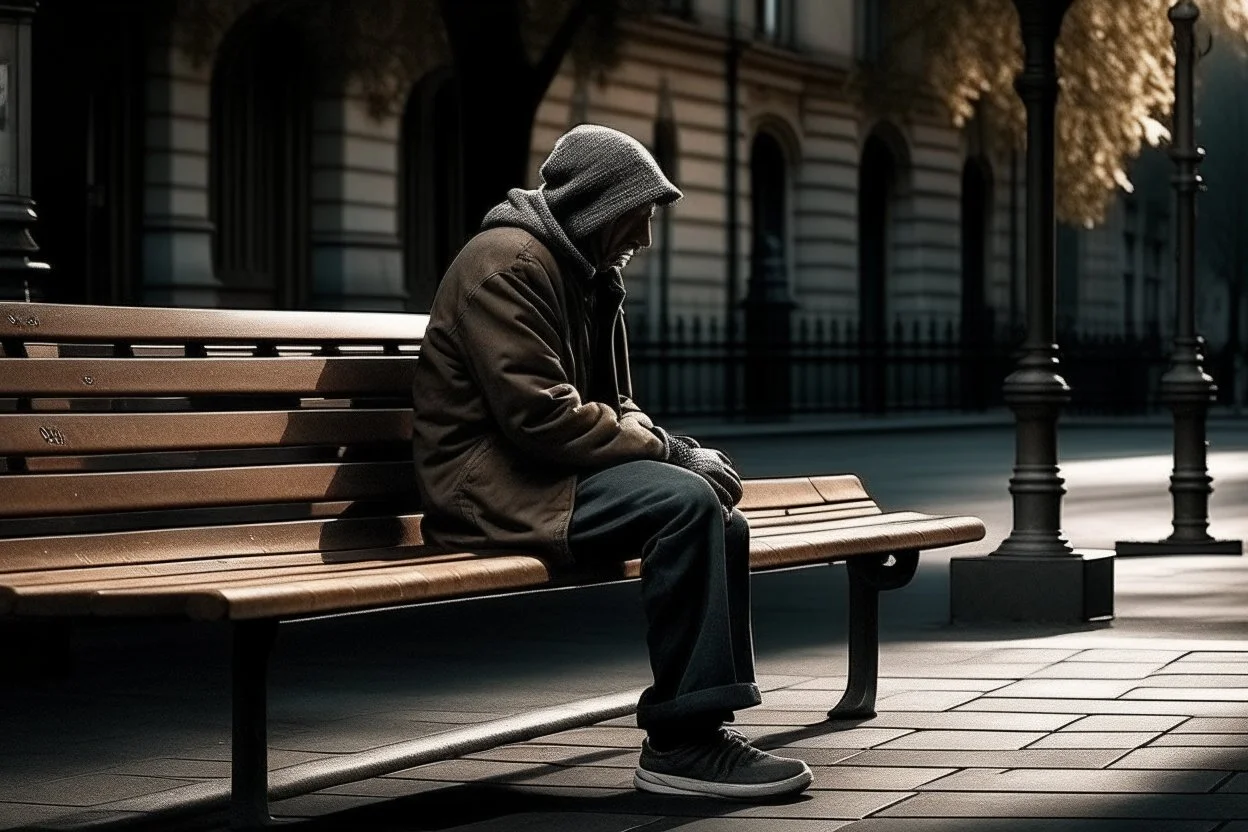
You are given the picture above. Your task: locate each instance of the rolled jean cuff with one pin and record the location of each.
(733, 697)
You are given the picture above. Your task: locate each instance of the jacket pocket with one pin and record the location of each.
(476, 457)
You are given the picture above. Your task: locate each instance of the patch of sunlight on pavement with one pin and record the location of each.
(1137, 470)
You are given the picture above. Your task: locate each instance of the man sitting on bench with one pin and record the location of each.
(526, 437)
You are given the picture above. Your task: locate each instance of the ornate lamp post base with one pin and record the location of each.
(1068, 589)
(1136, 548)
(1189, 391)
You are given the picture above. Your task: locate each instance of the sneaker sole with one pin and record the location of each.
(650, 781)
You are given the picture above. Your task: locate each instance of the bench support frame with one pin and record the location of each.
(253, 644)
(868, 575)
(249, 796)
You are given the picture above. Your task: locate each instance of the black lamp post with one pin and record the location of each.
(21, 277)
(1185, 386)
(1034, 575)
(732, 67)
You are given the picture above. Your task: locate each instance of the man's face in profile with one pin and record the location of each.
(626, 236)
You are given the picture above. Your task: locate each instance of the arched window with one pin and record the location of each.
(260, 160)
(773, 21)
(768, 213)
(431, 203)
(879, 177)
(976, 218)
(877, 186)
(977, 323)
(768, 307)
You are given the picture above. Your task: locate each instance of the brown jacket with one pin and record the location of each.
(517, 393)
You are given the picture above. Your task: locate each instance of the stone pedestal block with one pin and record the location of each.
(1067, 589)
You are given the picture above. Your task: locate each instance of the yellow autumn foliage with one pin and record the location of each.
(1115, 63)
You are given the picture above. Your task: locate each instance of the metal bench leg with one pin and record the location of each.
(868, 575)
(249, 797)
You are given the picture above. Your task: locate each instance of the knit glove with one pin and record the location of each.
(713, 466)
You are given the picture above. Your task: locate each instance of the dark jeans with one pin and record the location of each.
(695, 585)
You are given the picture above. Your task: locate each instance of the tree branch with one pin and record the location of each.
(546, 68)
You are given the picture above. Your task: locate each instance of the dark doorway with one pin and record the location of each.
(768, 306)
(431, 203)
(877, 186)
(976, 318)
(87, 147)
(260, 160)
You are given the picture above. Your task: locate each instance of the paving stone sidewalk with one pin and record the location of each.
(1086, 731)
(1060, 734)
(1139, 725)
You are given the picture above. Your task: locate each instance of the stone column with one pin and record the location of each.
(177, 228)
(357, 259)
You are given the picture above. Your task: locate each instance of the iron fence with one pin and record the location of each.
(828, 367)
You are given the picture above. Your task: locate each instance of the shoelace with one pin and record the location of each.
(737, 736)
(733, 750)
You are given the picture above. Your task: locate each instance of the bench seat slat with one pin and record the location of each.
(126, 324)
(399, 584)
(81, 493)
(74, 598)
(805, 525)
(922, 533)
(301, 588)
(811, 517)
(20, 581)
(905, 531)
(294, 565)
(844, 505)
(220, 569)
(290, 375)
(89, 433)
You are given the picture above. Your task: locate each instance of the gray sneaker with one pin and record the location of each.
(728, 766)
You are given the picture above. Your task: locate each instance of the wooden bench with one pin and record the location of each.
(251, 467)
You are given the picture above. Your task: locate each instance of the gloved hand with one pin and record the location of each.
(713, 466)
(637, 417)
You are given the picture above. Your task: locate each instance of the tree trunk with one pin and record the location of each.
(499, 93)
(498, 128)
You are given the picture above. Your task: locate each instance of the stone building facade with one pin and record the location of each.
(230, 180)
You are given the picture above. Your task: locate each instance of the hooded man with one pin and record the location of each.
(526, 437)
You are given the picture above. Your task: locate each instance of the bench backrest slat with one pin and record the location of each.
(108, 433)
(116, 324)
(87, 492)
(297, 376)
(222, 541)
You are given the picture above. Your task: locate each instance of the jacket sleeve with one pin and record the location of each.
(508, 337)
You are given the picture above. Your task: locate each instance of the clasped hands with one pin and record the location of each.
(712, 465)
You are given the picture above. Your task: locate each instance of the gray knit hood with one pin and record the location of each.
(592, 176)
